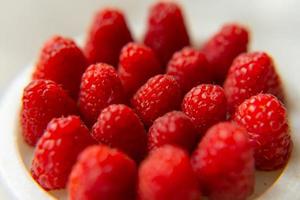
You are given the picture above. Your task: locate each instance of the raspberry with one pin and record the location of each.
(102, 173)
(100, 87)
(223, 47)
(166, 32)
(108, 34)
(57, 151)
(167, 174)
(159, 95)
(43, 100)
(62, 61)
(251, 74)
(265, 119)
(137, 64)
(205, 105)
(224, 162)
(119, 127)
(190, 68)
(173, 128)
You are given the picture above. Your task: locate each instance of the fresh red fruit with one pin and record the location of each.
(167, 174)
(159, 95)
(100, 87)
(265, 119)
(119, 127)
(166, 31)
(108, 34)
(43, 100)
(102, 173)
(224, 163)
(205, 105)
(57, 151)
(190, 68)
(137, 63)
(223, 47)
(173, 128)
(251, 74)
(62, 61)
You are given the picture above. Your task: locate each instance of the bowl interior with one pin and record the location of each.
(264, 180)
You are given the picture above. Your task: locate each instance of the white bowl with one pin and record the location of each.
(16, 155)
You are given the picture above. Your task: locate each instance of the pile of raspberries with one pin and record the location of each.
(157, 119)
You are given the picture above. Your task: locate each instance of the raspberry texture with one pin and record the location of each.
(251, 74)
(223, 47)
(205, 105)
(119, 127)
(63, 62)
(173, 128)
(166, 31)
(190, 68)
(100, 87)
(224, 162)
(102, 173)
(265, 119)
(159, 95)
(108, 34)
(43, 100)
(167, 174)
(137, 63)
(57, 151)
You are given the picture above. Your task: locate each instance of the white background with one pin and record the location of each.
(25, 24)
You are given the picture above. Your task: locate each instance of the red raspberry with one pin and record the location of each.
(137, 64)
(159, 95)
(57, 151)
(223, 47)
(102, 173)
(119, 127)
(190, 68)
(167, 174)
(63, 62)
(251, 74)
(224, 163)
(42, 101)
(100, 87)
(108, 34)
(166, 32)
(205, 105)
(173, 128)
(266, 122)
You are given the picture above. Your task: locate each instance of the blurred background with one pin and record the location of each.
(26, 24)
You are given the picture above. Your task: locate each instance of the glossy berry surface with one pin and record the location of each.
(62, 61)
(159, 95)
(190, 68)
(265, 119)
(100, 87)
(43, 100)
(57, 151)
(106, 37)
(102, 173)
(173, 128)
(166, 32)
(251, 74)
(205, 105)
(119, 127)
(223, 47)
(167, 174)
(137, 63)
(224, 162)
